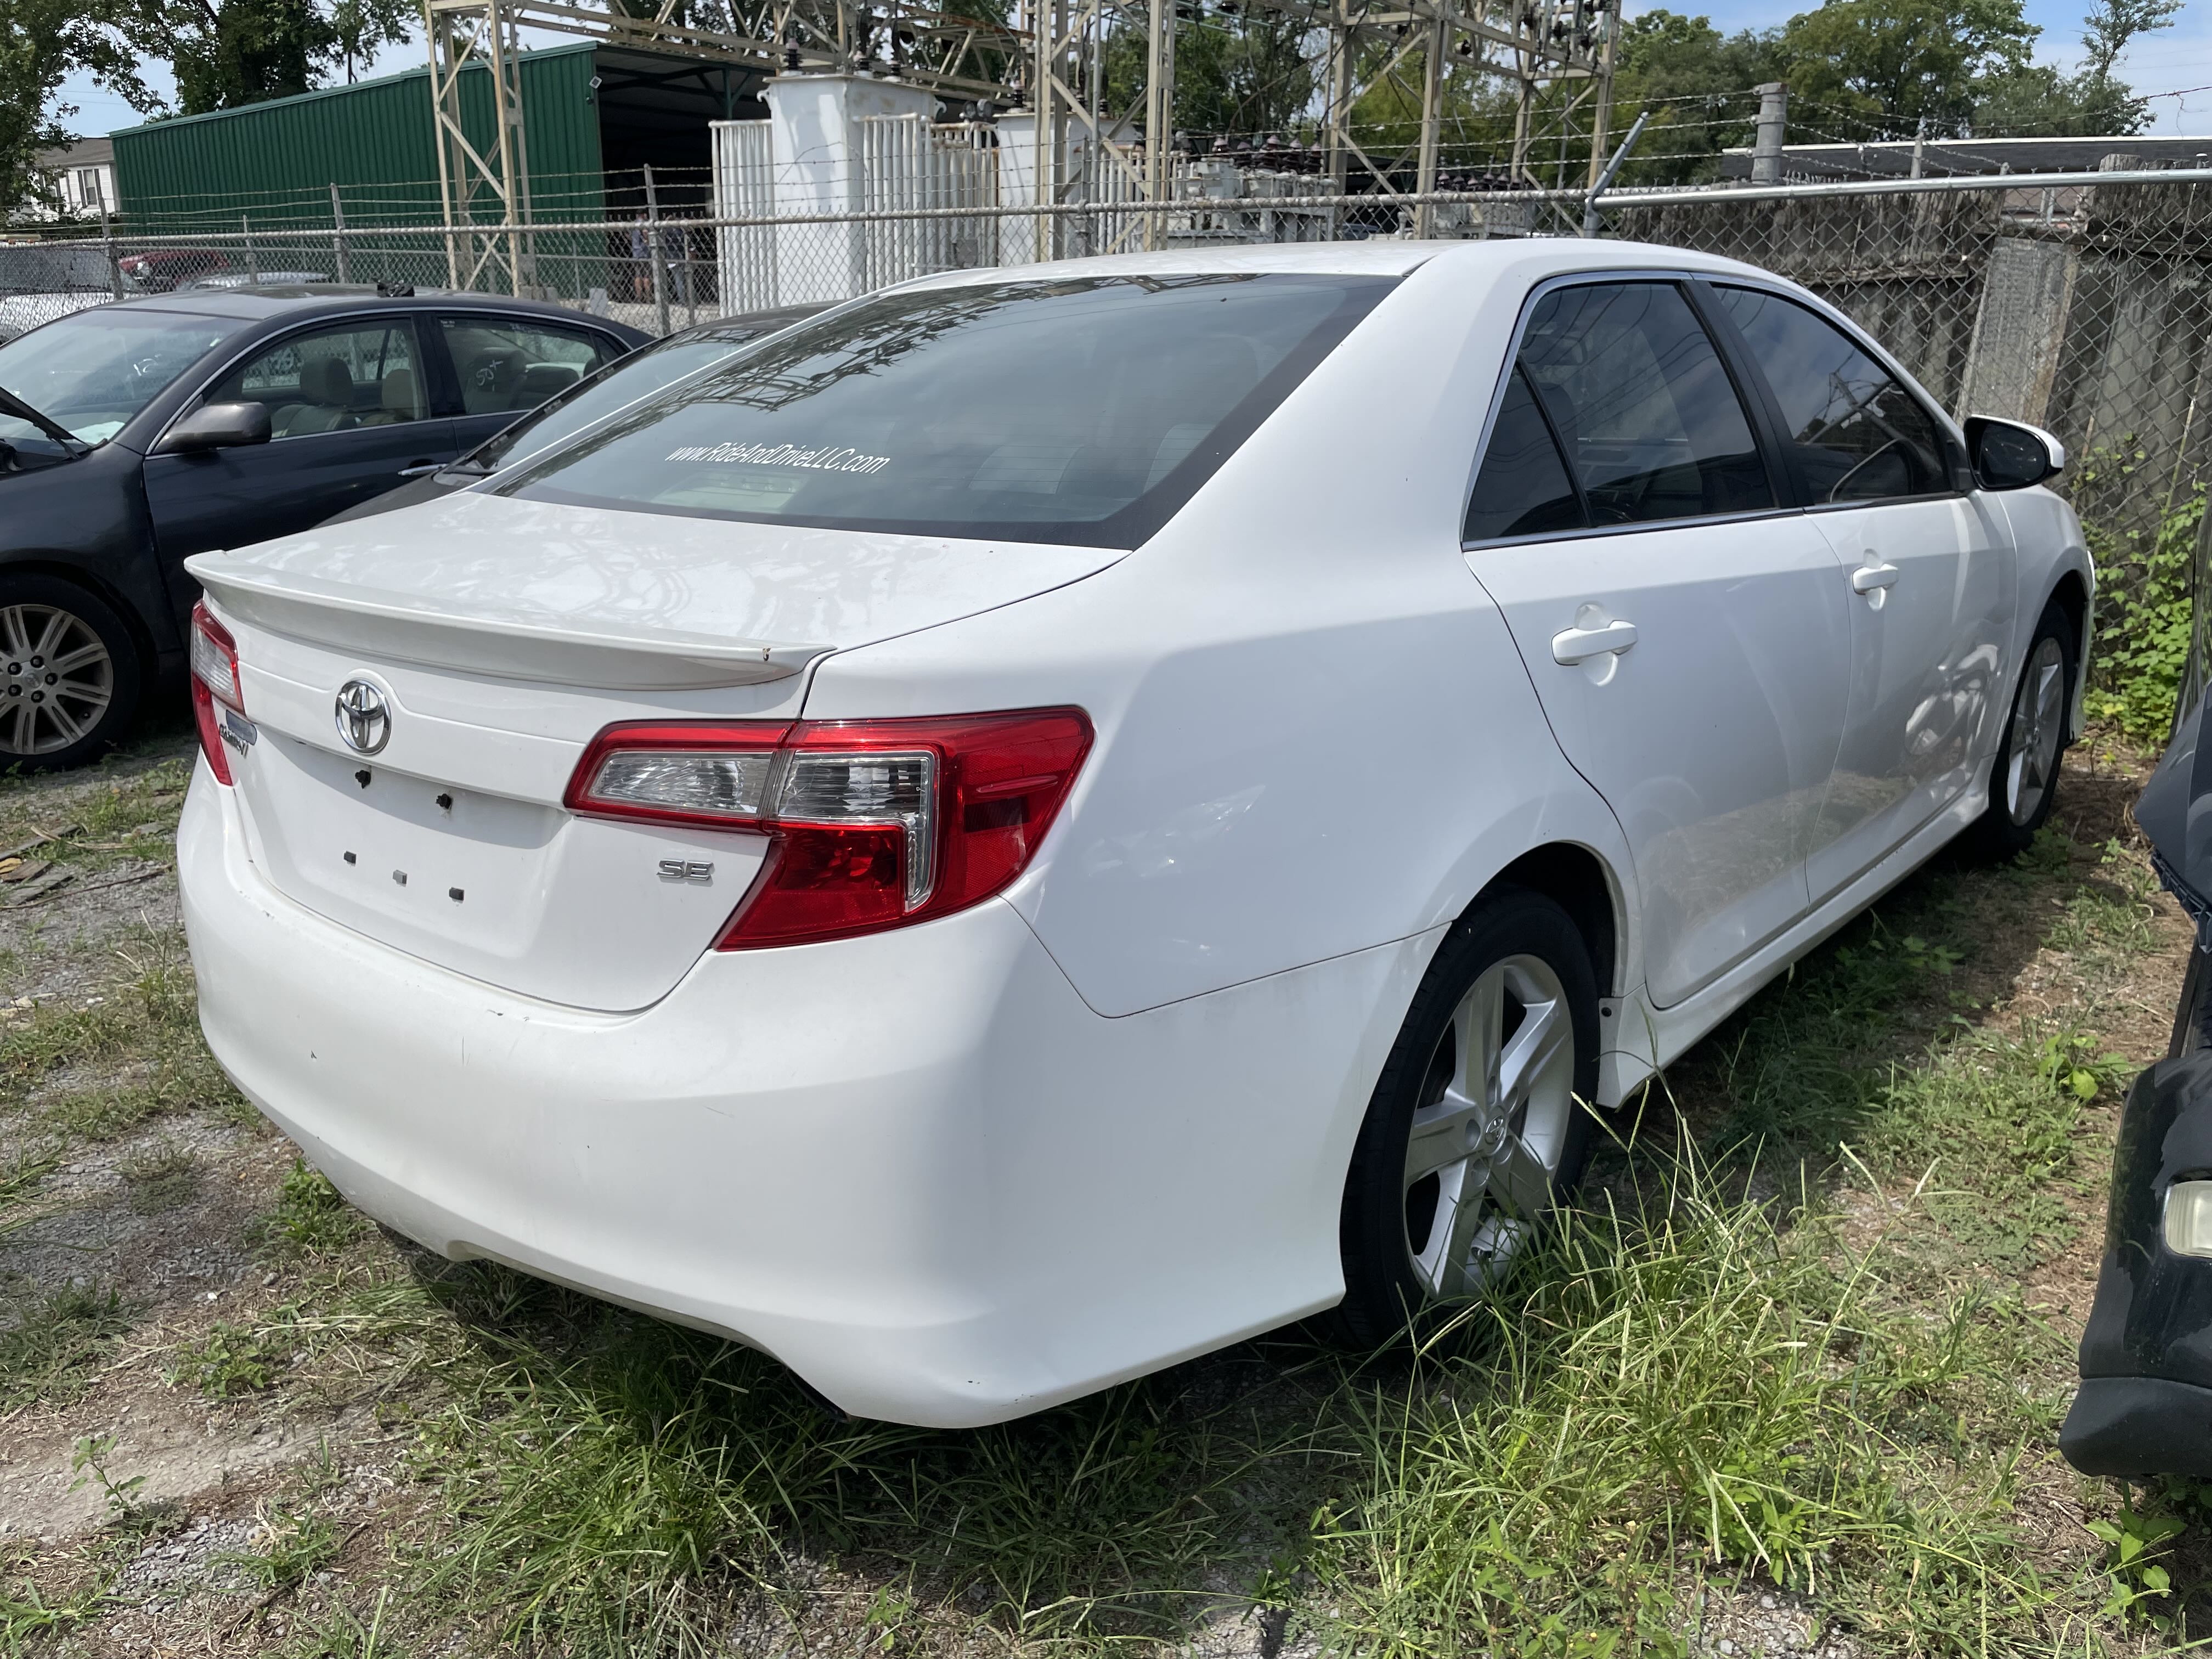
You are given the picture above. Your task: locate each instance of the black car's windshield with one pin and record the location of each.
(92, 371)
(1083, 411)
(598, 395)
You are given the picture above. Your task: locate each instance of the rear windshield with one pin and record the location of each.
(1083, 411)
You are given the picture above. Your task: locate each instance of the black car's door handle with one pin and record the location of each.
(417, 469)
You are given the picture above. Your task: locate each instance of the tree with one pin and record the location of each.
(230, 52)
(2111, 24)
(1894, 64)
(42, 42)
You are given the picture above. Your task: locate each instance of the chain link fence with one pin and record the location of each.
(2082, 305)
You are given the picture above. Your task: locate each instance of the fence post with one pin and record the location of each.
(1773, 126)
(245, 234)
(339, 235)
(1591, 222)
(655, 251)
(108, 251)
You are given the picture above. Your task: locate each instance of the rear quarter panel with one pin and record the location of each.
(1314, 733)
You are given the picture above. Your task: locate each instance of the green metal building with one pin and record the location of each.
(590, 111)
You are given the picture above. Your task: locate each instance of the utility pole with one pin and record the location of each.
(1159, 119)
(1773, 127)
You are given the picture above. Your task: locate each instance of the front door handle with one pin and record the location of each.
(1579, 645)
(419, 469)
(1873, 578)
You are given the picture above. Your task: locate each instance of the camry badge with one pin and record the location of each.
(364, 717)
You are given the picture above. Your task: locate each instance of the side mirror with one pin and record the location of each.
(218, 426)
(2009, 455)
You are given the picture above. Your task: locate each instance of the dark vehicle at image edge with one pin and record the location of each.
(2145, 1404)
(617, 386)
(133, 435)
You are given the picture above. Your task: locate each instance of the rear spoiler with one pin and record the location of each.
(408, 628)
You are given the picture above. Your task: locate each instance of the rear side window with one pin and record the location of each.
(1853, 433)
(1085, 410)
(512, 365)
(1523, 488)
(1649, 418)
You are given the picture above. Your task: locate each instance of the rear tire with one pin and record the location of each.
(70, 674)
(1477, 1124)
(2024, 780)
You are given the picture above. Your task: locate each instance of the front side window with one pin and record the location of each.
(1853, 432)
(92, 371)
(332, 380)
(1083, 410)
(513, 366)
(1647, 414)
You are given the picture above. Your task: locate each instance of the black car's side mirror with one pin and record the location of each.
(2009, 455)
(218, 426)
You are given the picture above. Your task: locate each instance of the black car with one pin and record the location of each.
(619, 384)
(2145, 1404)
(135, 435)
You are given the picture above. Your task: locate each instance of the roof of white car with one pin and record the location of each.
(1376, 257)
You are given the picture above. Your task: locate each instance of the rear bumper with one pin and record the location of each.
(2145, 1404)
(914, 1166)
(2133, 1426)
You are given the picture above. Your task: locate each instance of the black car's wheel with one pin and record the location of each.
(1478, 1124)
(68, 674)
(2024, 783)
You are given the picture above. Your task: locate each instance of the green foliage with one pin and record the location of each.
(57, 1340)
(2143, 601)
(232, 1360)
(310, 1216)
(290, 1545)
(159, 1177)
(1897, 63)
(2133, 1543)
(89, 1462)
(26, 1613)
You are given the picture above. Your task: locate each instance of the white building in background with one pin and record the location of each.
(79, 180)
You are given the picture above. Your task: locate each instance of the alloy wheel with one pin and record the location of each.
(57, 680)
(2039, 720)
(1489, 1126)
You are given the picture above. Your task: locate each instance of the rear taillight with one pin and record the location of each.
(215, 680)
(873, 824)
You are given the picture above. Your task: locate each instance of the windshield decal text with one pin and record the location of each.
(825, 459)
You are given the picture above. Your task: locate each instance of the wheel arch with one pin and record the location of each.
(1582, 883)
(64, 569)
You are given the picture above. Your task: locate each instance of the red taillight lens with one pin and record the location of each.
(215, 680)
(874, 823)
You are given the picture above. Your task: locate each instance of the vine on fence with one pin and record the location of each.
(2143, 598)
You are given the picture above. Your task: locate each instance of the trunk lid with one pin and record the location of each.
(499, 637)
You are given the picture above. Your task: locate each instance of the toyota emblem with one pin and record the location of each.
(364, 717)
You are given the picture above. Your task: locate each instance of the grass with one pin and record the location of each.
(310, 1216)
(56, 1341)
(162, 1176)
(95, 1070)
(1794, 1341)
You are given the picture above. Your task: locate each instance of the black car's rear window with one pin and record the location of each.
(1085, 410)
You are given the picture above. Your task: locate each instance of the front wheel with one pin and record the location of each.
(2024, 781)
(68, 674)
(1477, 1124)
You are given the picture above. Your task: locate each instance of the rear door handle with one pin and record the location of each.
(1579, 645)
(1871, 578)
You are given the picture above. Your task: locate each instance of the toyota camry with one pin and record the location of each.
(1046, 820)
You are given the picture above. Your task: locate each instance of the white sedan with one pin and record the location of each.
(1044, 821)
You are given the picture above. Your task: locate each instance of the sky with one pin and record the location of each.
(2177, 60)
